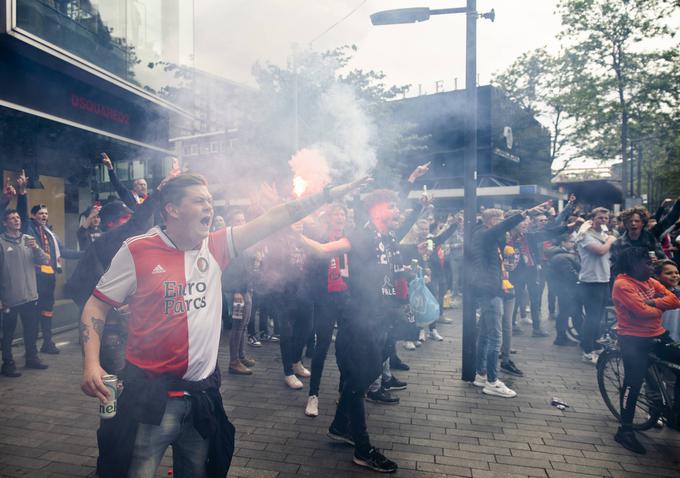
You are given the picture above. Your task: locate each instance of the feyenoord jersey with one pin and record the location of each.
(175, 301)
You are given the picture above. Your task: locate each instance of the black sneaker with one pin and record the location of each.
(265, 337)
(337, 435)
(394, 384)
(9, 369)
(399, 365)
(35, 363)
(49, 348)
(539, 333)
(375, 460)
(253, 341)
(511, 368)
(564, 342)
(629, 441)
(382, 396)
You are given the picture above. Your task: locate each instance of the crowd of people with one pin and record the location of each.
(159, 275)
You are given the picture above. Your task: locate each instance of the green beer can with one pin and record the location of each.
(108, 408)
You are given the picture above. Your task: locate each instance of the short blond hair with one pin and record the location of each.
(491, 213)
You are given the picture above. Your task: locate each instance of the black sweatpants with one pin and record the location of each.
(359, 350)
(29, 323)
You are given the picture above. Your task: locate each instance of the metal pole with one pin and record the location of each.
(631, 160)
(469, 319)
(639, 171)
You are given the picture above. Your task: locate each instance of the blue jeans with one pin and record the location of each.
(508, 307)
(489, 337)
(189, 448)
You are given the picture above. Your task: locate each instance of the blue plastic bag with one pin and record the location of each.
(423, 303)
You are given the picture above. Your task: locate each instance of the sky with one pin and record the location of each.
(232, 35)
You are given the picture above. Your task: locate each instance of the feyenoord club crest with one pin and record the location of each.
(202, 264)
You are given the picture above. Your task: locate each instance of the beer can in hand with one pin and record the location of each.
(108, 408)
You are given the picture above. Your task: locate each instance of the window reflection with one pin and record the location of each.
(140, 41)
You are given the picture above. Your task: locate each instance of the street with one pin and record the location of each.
(442, 427)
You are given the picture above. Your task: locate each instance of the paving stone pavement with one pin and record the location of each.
(443, 427)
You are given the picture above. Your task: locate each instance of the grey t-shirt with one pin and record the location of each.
(594, 267)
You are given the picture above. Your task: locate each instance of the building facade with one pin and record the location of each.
(513, 155)
(81, 77)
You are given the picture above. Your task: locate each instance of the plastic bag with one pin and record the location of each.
(423, 304)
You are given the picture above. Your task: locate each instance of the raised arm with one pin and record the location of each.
(286, 214)
(328, 249)
(124, 193)
(667, 221)
(91, 329)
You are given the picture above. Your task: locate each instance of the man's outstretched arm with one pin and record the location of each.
(286, 214)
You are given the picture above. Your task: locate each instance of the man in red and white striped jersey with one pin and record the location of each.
(170, 278)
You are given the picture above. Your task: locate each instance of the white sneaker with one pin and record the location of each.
(498, 389)
(435, 335)
(301, 371)
(590, 358)
(293, 382)
(422, 335)
(480, 380)
(408, 345)
(312, 409)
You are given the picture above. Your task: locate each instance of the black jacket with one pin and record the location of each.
(485, 261)
(565, 267)
(97, 257)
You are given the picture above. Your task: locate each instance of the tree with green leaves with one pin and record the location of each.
(539, 83)
(620, 86)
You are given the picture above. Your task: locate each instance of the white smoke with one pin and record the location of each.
(347, 153)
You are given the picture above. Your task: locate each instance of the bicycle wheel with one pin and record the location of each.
(610, 382)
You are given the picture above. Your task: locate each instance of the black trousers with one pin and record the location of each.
(46, 284)
(328, 310)
(594, 296)
(635, 353)
(294, 316)
(569, 302)
(359, 349)
(29, 322)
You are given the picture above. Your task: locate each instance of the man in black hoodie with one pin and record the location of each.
(565, 266)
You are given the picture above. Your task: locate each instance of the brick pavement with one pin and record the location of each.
(443, 427)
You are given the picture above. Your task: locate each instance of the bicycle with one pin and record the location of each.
(655, 400)
(575, 323)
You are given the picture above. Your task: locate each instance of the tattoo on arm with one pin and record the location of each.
(84, 336)
(98, 326)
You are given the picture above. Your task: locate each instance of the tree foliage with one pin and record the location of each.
(611, 86)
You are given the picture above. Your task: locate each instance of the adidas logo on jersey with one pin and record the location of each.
(158, 270)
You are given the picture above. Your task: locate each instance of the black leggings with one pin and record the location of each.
(294, 316)
(635, 353)
(326, 312)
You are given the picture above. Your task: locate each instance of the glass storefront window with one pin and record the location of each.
(141, 41)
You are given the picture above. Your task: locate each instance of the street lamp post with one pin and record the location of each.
(415, 15)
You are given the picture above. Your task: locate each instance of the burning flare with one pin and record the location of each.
(299, 186)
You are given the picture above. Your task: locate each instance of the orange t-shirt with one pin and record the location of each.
(633, 316)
